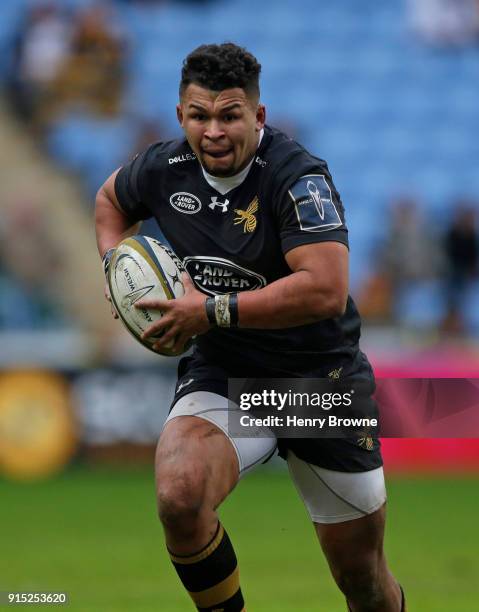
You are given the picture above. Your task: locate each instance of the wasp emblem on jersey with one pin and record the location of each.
(247, 216)
(366, 442)
(335, 374)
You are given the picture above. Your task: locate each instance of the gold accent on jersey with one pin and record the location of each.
(247, 216)
(366, 442)
(335, 374)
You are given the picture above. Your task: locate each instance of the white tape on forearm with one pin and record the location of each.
(222, 310)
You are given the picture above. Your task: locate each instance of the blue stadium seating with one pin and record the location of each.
(471, 310)
(421, 306)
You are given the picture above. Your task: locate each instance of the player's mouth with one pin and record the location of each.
(217, 154)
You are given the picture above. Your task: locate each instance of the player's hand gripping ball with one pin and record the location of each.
(143, 267)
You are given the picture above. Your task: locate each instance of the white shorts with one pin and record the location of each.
(329, 496)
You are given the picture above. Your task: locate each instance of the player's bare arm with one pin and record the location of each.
(111, 223)
(317, 289)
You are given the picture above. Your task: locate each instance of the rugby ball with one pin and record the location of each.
(144, 267)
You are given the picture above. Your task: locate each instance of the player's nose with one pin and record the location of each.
(214, 130)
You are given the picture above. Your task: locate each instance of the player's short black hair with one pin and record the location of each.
(219, 67)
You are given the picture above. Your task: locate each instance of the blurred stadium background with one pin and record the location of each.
(387, 93)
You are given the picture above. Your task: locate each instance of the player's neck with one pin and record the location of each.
(227, 183)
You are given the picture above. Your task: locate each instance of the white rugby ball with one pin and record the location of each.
(144, 267)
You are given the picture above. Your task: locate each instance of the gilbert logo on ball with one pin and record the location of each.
(142, 266)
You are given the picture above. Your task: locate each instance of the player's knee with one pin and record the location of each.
(181, 499)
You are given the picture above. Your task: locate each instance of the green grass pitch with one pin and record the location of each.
(95, 535)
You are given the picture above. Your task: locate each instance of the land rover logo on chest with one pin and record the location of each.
(214, 275)
(185, 202)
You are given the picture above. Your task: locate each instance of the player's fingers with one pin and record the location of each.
(108, 298)
(153, 304)
(180, 341)
(106, 292)
(187, 283)
(168, 339)
(156, 328)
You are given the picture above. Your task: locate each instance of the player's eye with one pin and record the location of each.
(198, 117)
(229, 118)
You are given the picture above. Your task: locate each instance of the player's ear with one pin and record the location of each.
(260, 117)
(179, 114)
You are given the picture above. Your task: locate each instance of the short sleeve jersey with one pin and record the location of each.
(237, 241)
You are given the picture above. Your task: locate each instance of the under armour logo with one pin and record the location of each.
(214, 203)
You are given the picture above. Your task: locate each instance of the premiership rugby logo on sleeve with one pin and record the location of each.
(314, 204)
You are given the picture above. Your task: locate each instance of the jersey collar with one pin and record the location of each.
(225, 184)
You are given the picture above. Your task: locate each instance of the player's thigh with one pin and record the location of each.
(333, 496)
(196, 445)
(194, 459)
(348, 512)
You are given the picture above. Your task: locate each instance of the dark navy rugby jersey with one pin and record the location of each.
(237, 241)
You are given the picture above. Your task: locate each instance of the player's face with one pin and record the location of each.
(222, 127)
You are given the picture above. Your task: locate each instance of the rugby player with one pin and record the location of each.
(260, 228)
